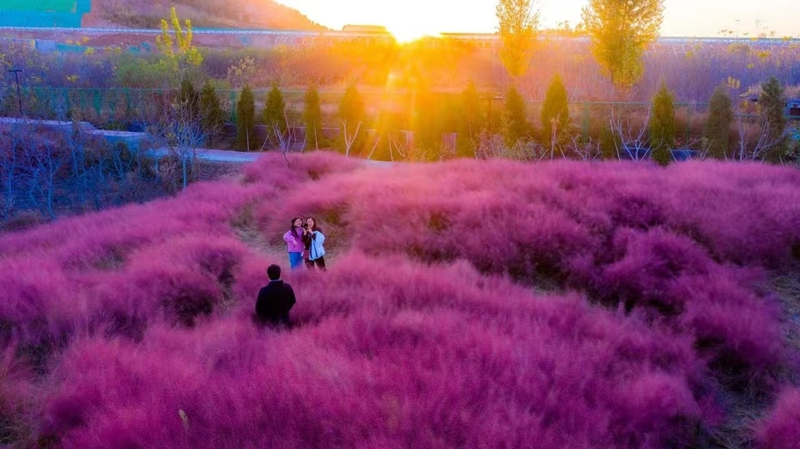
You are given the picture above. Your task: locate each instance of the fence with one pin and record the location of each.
(122, 108)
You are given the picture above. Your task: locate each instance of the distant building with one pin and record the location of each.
(43, 13)
(376, 29)
(792, 106)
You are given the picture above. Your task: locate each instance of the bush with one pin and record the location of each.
(351, 118)
(472, 121)
(662, 126)
(246, 121)
(213, 117)
(312, 117)
(274, 114)
(555, 111)
(772, 102)
(718, 128)
(516, 127)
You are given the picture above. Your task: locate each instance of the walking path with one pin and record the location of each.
(132, 139)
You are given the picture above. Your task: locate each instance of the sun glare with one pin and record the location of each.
(405, 30)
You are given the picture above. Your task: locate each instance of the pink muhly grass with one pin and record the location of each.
(424, 332)
(452, 358)
(781, 428)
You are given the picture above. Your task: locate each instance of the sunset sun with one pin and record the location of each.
(406, 29)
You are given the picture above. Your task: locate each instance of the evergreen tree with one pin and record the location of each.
(427, 121)
(351, 116)
(471, 121)
(516, 126)
(274, 113)
(189, 101)
(662, 126)
(772, 102)
(555, 111)
(212, 115)
(718, 127)
(312, 117)
(246, 121)
(351, 107)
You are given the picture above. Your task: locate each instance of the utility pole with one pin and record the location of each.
(19, 95)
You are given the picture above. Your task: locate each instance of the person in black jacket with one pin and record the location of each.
(275, 300)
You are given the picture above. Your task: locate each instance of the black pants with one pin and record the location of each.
(318, 263)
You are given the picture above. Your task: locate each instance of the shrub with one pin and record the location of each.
(662, 126)
(555, 111)
(312, 117)
(472, 121)
(213, 117)
(516, 127)
(274, 114)
(718, 128)
(246, 121)
(351, 117)
(772, 102)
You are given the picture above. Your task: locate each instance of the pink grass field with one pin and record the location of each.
(467, 304)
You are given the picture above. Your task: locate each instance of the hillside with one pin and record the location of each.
(467, 304)
(203, 13)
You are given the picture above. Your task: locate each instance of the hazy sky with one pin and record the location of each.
(418, 17)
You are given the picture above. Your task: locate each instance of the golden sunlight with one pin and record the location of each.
(406, 29)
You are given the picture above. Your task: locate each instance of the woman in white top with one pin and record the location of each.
(313, 238)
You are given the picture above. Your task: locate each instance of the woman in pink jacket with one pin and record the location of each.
(294, 241)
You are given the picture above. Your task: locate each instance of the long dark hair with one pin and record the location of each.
(316, 226)
(294, 229)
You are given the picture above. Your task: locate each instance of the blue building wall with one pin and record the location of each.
(43, 13)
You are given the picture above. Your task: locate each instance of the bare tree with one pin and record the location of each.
(631, 136)
(401, 145)
(349, 139)
(10, 145)
(374, 144)
(585, 150)
(766, 140)
(179, 133)
(493, 146)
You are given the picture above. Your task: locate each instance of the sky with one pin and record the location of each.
(413, 18)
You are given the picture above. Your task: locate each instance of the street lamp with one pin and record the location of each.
(19, 95)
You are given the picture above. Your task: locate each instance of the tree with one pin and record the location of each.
(274, 114)
(518, 24)
(472, 121)
(351, 116)
(772, 102)
(771, 122)
(516, 123)
(179, 53)
(427, 123)
(662, 126)
(718, 127)
(246, 120)
(619, 31)
(555, 112)
(189, 99)
(312, 116)
(213, 117)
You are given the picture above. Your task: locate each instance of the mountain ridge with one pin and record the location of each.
(267, 14)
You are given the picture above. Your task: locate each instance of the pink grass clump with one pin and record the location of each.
(781, 428)
(626, 234)
(424, 332)
(428, 357)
